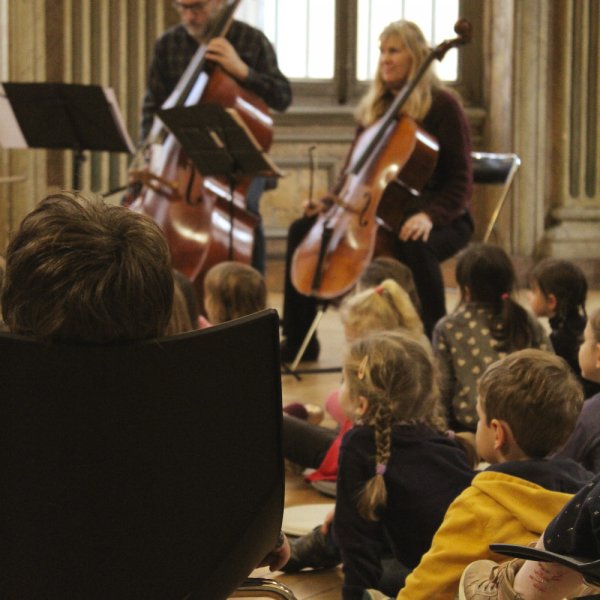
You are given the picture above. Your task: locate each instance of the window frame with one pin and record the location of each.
(345, 90)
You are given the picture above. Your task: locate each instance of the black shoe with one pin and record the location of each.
(314, 550)
(289, 350)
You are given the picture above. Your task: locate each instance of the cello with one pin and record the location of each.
(204, 219)
(362, 221)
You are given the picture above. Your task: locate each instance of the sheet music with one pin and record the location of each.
(118, 118)
(11, 135)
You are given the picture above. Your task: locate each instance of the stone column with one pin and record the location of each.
(23, 59)
(531, 135)
(573, 170)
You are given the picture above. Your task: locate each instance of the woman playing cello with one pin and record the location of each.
(442, 225)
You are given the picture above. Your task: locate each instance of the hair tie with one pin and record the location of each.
(380, 469)
(451, 434)
(379, 290)
(505, 296)
(362, 368)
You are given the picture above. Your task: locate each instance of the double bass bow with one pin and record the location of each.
(204, 219)
(344, 238)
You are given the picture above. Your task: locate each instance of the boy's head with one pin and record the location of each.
(233, 290)
(80, 270)
(528, 404)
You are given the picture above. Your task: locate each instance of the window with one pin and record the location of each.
(329, 47)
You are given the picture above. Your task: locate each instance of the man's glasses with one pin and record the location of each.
(194, 7)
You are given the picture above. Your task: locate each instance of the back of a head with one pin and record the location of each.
(565, 281)
(381, 308)
(395, 372)
(80, 270)
(537, 394)
(486, 271)
(235, 290)
(386, 267)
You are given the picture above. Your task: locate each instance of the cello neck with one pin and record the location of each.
(219, 28)
(463, 29)
(192, 79)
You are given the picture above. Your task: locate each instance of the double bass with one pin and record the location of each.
(362, 221)
(204, 219)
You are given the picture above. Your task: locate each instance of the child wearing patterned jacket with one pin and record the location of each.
(488, 325)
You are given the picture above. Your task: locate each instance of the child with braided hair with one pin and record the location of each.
(398, 471)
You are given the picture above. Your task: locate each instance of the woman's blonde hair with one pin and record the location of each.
(397, 375)
(236, 290)
(378, 99)
(381, 308)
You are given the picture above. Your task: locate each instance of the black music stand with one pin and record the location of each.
(219, 143)
(63, 116)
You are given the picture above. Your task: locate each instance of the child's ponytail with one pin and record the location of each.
(485, 274)
(512, 330)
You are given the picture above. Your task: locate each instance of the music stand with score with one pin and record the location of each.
(66, 116)
(220, 144)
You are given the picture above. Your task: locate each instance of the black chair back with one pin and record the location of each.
(146, 470)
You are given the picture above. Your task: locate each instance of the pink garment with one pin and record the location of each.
(332, 404)
(203, 323)
(328, 469)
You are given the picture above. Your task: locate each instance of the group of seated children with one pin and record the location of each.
(400, 463)
(499, 380)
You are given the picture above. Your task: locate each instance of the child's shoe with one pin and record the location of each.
(314, 550)
(485, 580)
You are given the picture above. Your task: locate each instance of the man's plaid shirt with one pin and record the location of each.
(175, 48)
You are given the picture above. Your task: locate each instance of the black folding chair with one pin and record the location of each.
(147, 470)
(495, 169)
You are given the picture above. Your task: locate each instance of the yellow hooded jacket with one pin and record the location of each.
(495, 508)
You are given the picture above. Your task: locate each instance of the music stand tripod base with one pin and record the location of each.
(308, 337)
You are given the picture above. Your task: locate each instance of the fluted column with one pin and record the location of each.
(573, 223)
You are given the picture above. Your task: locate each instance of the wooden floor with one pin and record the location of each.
(326, 585)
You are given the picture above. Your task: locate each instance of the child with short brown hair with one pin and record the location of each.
(527, 406)
(232, 290)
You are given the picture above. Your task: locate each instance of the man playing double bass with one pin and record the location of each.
(245, 53)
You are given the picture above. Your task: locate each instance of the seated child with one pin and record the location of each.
(528, 404)
(574, 532)
(487, 326)
(558, 291)
(398, 470)
(232, 290)
(386, 267)
(383, 308)
(584, 445)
